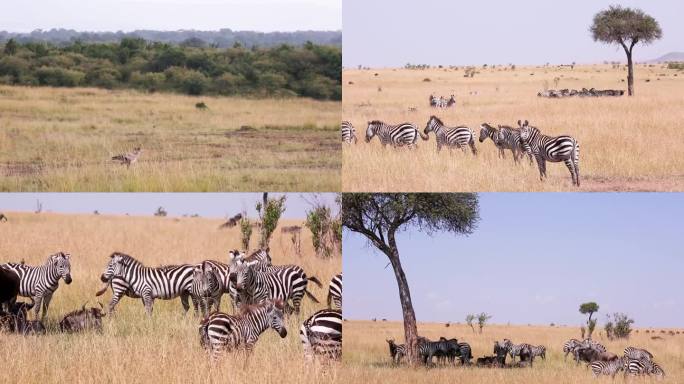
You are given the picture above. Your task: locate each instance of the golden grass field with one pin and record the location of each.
(626, 144)
(54, 139)
(366, 355)
(133, 347)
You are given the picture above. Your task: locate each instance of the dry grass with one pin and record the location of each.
(135, 348)
(627, 144)
(366, 355)
(62, 140)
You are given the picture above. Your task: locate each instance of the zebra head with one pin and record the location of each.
(114, 268)
(276, 315)
(526, 130)
(241, 275)
(204, 276)
(431, 124)
(371, 130)
(485, 130)
(60, 261)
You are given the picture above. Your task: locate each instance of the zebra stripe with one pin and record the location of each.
(220, 331)
(427, 349)
(553, 149)
(397, 351)
(335, 292)
(642, 367)
(150, 283)
(569, 346)
(458, 137)
(504, 138)
(206, 288)
(517, 349)
(637, 353)
(538, 350)
(396, 135)
(321, 334)
(348, 132)
(607, 367)
(41, 282)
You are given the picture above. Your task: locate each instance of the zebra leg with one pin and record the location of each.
(149, 302)
(541, 164)
(185, 303)
(36, 307)
(472, 147)
(571, 168)
(46, 305)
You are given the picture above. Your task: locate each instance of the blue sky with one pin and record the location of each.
(622, 250)
(128, 15)
(217, 205)
(389, 33)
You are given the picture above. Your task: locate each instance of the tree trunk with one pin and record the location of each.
(630, 73)
(410, 327)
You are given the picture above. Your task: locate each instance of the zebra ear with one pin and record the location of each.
(519, 123)
(526, 123)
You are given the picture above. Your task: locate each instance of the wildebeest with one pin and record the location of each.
(590, 354)
(9, 288)
(231, 221)
(15, 320)
(83, 319)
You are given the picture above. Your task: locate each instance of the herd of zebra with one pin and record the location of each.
(442, 102)
(634, 361)
(262, 296)
(561, 93)
(522, 140)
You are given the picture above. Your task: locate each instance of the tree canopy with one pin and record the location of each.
(625, 26)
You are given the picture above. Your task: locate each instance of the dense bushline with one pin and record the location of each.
(283, 71)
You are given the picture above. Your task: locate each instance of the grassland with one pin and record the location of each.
(366, 356)
(134, 348)
(62, 140)
(627, 143)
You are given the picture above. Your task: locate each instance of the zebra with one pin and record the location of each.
(569, 347)
(504, 138)
(642, 367)
(607, 367)
(220, 331)
(321, 334)
(150, 283)
(207, 287)
(453, 349)
(284, 282)
(129, 158)
(638, 353)
(458, 137)
(40, 282)
(517, 349)
(589, 343)
(553, 149)
(348, 132)
(397, 351)
(538, 350)
(427, 349)
(335, 292)
(396, 135)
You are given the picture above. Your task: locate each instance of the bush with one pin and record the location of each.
(103, 77)
(325, 230)
(245, 232)
(269, 211)
(149, 81)
(620, 325)
(58, 77)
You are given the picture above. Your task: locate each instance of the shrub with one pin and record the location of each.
(58, 77)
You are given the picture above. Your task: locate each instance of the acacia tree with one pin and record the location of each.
(379, 217)
(627, 27)
(589, 308)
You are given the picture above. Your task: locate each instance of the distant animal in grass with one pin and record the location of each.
(129, 158)
(2, 217)
(201, 106)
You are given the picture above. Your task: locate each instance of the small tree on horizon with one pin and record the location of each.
(589, 308)
(469, 320)
(379, 217)
(482, 319)
(269, 211)
(627, 27)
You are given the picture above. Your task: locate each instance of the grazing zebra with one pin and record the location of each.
(427, 349)
(642, 367)
(637, 353)
(321, 334)
(607, 367)
(517, 349)
(553, 149)
(129, 158)
(150, 283)
(335, 292)
(348, 133)
(397, 351)
(40, 282)
(452, 349)
(569, 346)
(206, 288)
(504, 138)
(458, 137)
(284, 282)
(220, 331)
(396, 135)
(589, 343)
(538, 350)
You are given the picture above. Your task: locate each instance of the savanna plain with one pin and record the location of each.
(626, 143)
(133, 347)
(54, 139)
(367, 360)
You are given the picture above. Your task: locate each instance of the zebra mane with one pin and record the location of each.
(373, 122)
(489, 126)
(437, 119)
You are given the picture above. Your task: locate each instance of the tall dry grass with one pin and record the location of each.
(62, 140)
(133, 347)
(626, 143)
(366, 355)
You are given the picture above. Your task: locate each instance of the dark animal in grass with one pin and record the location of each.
(2, 217)
(14, 320)
(201, 106)
(232, 221)
(589, 355)
(83, 319)
(9, 288)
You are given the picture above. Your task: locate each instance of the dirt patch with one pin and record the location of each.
(601, 184)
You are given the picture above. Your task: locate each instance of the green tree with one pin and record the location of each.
(325, 230)
(245, 231)
(469, 320)
(621, 325)
(269, 211)
(379, 217)
(627, 27)
(10, 47)
(589, 308)
(482, 319)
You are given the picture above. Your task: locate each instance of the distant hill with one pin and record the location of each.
(222, 38)
(672, 56)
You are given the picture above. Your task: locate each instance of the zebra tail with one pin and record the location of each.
(315, 280)
(311, 296)
(103, 290)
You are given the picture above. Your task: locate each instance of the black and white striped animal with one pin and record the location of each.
(504, 138)
(397, 351)
(404, 134)
(637, 353)
(150, 283)
(453, 349)
(207, 287)
(321, 334)
(129, 158)
(570, 346)
(348, 132)
(538, 351)
(607, 367)
(222, 332)
(41, 282)
(517, 349)
(335, 292)
(452, 137)
(284, 282)
(638, 367)
(554, 149)
(428, 349)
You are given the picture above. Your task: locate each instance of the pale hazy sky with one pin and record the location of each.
(390, 33)
(128, 15)
(534, 258)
